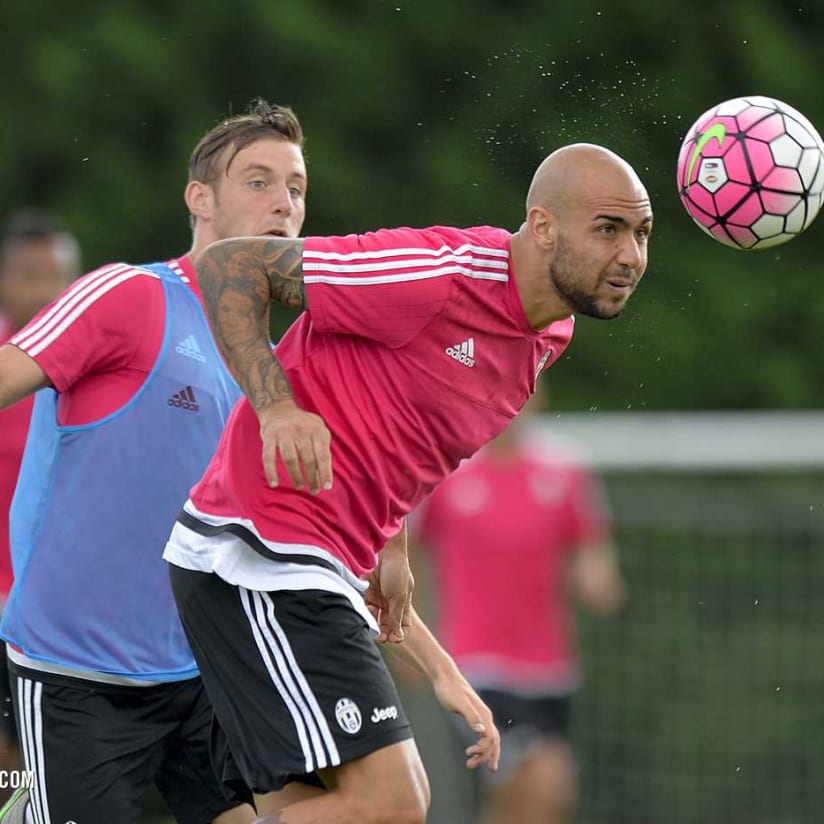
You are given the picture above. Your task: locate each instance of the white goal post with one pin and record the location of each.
(700, 441)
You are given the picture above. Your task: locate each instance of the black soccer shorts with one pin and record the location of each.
(295, 677)
(525, 721)
(95, 748)
(544, 716)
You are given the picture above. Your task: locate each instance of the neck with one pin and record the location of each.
(195, 251)
(202, 236)
(542, 304)
(198, 245)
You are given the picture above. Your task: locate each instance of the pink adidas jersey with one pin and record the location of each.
(416, 351)
(500, 532)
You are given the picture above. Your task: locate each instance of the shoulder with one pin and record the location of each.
(107, 298)
(113, 280)
(119, 272)
(117, 291)
(408, 273)
(437, 239)
(489, 239)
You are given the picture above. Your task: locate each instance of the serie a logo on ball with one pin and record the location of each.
(751, 172)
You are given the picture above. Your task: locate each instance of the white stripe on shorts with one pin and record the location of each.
(303, 684)
(289, 681)
(29, 699)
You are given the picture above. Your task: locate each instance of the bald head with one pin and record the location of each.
(582, 171)
(583, 246)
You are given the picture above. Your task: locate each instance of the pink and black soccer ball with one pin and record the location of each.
(751, 172)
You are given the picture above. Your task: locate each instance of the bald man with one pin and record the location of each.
(415, 347)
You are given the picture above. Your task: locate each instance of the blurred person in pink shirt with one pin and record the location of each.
(515, 536)
(39, 258)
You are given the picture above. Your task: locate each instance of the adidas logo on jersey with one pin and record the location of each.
(188, 348)
(185, 399)
(463, 353)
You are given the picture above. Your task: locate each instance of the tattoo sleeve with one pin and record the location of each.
(239, 278)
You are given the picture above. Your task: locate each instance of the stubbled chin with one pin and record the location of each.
(607, 310)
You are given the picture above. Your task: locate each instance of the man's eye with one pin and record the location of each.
(257, 184)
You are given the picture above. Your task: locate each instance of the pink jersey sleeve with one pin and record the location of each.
(93, 326)
(387, 285)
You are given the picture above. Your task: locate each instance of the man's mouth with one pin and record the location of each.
(621, 283)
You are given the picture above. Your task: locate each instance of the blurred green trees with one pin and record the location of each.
(427, 112)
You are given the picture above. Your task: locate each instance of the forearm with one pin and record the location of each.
(398, 544)
(596, 579)
(422, 650)
(389, 595)
(239, 278)
(453, 691)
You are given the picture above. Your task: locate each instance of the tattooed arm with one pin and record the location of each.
(239, 278)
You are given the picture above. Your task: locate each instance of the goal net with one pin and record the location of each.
(704, 703)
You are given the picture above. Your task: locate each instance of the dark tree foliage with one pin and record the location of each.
(421, 112)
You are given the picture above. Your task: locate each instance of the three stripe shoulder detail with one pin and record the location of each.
(74, 301)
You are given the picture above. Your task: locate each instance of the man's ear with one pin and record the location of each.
(543, 226)
(199, 198)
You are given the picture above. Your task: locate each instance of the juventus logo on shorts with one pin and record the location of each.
(348, 715)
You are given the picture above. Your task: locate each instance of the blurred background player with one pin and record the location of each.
(518, 531)
(39, 258)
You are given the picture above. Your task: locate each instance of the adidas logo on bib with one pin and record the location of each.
(463, 352)
(185, 399)
(188, 348)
